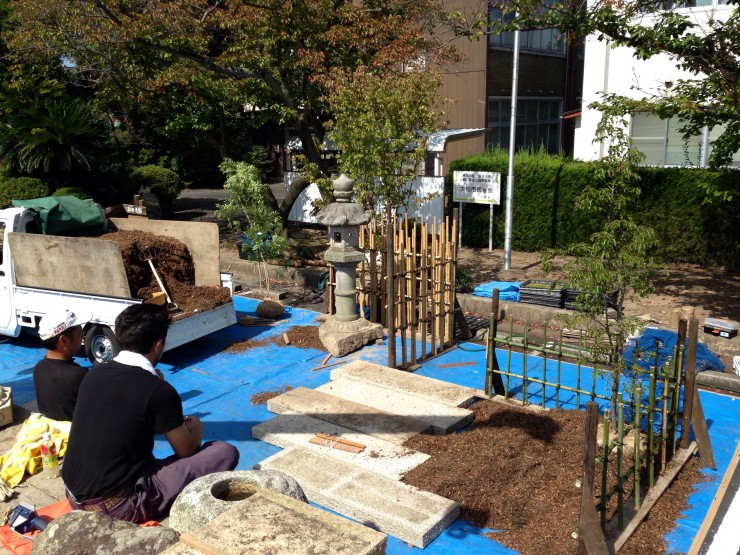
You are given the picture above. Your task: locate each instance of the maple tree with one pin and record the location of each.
(276, 55)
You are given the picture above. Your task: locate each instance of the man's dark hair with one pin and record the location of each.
(52, 343)
(140, 325)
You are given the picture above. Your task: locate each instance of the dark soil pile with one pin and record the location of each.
(173, 263)
(264, 396)
(247, 344)
(515, 471)
(303, 337)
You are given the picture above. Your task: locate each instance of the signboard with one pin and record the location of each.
(478, 187)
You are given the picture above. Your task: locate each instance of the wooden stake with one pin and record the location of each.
(328, 365)
(326, 359)
(455, 364)
(286, 339)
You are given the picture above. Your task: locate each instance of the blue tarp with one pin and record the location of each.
(508, 290)
(666, 340)
(217, 386)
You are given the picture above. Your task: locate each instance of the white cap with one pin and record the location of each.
(57, 321)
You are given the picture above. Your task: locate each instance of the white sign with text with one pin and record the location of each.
(478, 187)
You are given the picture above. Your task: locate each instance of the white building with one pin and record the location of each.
(618, 71)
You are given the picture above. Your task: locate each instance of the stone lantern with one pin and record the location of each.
(345, 331)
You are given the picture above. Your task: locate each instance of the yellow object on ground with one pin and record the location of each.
(25, 456)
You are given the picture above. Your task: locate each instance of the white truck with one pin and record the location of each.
(41, 272)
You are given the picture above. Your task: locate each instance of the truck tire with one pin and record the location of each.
(100, 344)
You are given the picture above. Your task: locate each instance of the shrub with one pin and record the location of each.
(77, 192)
(160, 181)
(21, 188)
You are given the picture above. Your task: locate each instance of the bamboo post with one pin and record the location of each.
(494, 384)
(442, 285)
(651, 425)
(689, 384)
(544, 366)
(620, 455)
(434, 285)
(414, 294)
(402, 304)
(664, 417)
(604, 467)
(390, 293)
(424, 289)
(525, 387)
(508, 358)
(638, 458)
(560, 359)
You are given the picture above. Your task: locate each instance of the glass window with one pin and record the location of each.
(662, 144)
(538, 123)
(536, 40)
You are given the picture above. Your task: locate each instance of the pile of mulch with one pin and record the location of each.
(515, 470)
(303, 337)
(174, 264)
(262, 397)
(246, 345)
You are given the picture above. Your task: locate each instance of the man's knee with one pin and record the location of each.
(225, 455)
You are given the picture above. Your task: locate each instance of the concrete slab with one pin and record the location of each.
(442, 418)
(405, 512)
(421, 386)
(295, 430)
(355, 416)
(269, 522)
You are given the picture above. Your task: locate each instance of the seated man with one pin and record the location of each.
(109, 466)
(57, 377)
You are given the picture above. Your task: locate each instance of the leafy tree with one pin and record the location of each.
(617, 260)
(278, 55)
(247, 211)
(708, 51)
(381, 124)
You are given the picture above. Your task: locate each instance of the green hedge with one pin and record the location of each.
(21, 188)
(673, 202)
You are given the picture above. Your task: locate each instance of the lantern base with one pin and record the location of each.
(341, 338)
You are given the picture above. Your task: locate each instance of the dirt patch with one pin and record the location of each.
(515, 470)
(246, 345)
(264, 396)
(303, 337)
(173, 263)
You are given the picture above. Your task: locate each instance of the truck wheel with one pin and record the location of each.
(100, 344)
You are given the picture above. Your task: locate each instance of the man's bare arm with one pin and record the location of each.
(185, 440)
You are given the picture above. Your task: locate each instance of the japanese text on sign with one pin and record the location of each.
(480, 187)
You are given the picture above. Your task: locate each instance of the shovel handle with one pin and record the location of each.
(159, 281)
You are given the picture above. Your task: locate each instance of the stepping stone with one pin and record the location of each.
(355, 416)
(429, 388)
(442, 418)
(295, 430)
(400, 510)
(269, 522)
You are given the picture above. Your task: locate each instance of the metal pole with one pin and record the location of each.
(512, 139)
(490, 228)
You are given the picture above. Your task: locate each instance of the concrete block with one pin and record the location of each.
(421, 386)
(400, 510)
(269, 522)
(355, 416)
(442, 418)
(295, 430)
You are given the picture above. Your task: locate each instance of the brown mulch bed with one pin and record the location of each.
(303, 337)
(247, 344)
(515, 470)
(263, 396)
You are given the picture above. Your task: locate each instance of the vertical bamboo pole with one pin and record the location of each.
(651, 425)
(402, 304)
(604, 467)
(638, 458)
(508, 358)
(664, 417)
(544, 365)
(689, 384)
(434, 284)
(390, 293)
(373, 274)
(578, 370)
(620, 454)
(525, 387)
(424, 274)
(442, 286)
(676, 394)
(414, 293)
(560, 360)
(453, 276)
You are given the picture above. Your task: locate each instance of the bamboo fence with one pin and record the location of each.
(423, 285)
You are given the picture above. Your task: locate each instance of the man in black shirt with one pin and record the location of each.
(109, 466)
(57, 377)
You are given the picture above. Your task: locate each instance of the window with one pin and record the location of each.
(661, 143)
(537, 123)
(550, 41)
